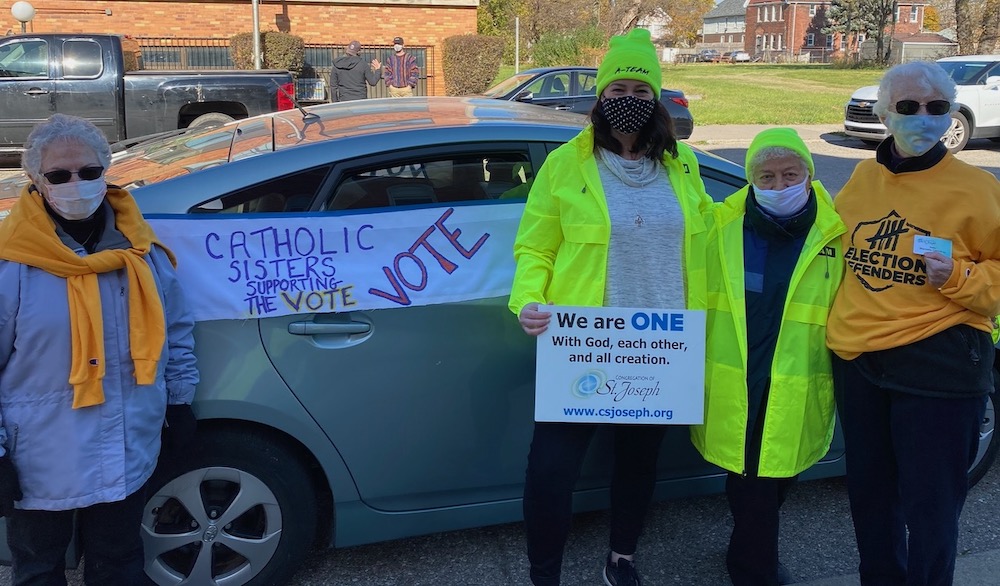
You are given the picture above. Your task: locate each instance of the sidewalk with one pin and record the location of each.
(972, 570)
(724, 133)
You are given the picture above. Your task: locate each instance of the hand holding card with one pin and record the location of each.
(925, 244)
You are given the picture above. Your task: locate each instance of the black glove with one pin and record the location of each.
(179, 428)
(10, 488)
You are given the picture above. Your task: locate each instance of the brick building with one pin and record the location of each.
(423, 24)
(794, 28)
(724, 27)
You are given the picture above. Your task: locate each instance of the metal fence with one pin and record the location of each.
(312, 84)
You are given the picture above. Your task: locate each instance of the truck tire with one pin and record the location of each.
(957, 136)
(211, 119)
(241, 510)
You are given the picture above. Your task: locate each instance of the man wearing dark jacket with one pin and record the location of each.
(349, 74)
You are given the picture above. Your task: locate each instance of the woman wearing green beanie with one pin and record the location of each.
(615, 218)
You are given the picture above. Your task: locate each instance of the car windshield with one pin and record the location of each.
(965, 72)
(505, 86)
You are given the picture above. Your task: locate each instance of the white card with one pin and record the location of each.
(925, 244)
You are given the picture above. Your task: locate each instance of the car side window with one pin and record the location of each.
(587, 83)
(24, 59)
(456, 178)
(289, 193)
(82, 59)
(554, 85)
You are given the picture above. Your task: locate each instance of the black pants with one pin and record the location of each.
(752, 559)
(112, 544)
(907, 476)
(554, 462)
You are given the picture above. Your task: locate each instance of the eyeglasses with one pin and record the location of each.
(59, 176)
(934, 107)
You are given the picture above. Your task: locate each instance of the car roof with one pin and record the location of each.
(984, 58)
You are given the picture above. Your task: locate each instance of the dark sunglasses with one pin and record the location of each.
(934, 107)
(62, 175)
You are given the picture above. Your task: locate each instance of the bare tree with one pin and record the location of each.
(977, 24)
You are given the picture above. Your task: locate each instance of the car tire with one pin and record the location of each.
(989, 442)
(211, 119)
(957, 135)
(242, 511)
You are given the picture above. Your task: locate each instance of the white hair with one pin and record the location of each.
(62, 128)
(769, 154)
(926, 74)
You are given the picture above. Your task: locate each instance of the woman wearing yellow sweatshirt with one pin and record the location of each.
(911, 331)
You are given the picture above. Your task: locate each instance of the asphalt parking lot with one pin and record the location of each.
(685, 539)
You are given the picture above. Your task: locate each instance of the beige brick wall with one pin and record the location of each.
(315, 21)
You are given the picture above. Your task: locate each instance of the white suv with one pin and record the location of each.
(978, 115)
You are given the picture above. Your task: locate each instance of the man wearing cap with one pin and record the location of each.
(401, 71)
(349, 74)
(774, 266)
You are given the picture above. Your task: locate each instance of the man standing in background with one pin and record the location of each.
(349, 74)
(401, 71)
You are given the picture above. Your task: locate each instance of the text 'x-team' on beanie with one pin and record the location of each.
(630, 56)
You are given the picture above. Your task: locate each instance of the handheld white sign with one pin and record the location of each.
(621, 365)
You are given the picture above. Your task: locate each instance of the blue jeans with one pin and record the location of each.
(554, 462)
(908, 457)
(112, 543)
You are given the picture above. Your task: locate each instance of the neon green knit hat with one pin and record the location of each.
(779, 137)
(630, 56)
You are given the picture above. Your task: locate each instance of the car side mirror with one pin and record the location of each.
(525, 96)
(993, 80)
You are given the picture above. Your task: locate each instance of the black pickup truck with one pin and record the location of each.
(99, 77)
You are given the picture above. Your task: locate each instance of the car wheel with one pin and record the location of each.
(212, 118)
(989, 443)
(957, 136)
(241, 512)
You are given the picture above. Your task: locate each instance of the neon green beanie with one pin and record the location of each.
(630, 56)
(779, 137)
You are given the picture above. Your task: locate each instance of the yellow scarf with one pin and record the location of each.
(28, 236)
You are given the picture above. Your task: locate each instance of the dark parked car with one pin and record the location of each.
(709, 55)
(348, 425)
(575, 89)
(99, 77)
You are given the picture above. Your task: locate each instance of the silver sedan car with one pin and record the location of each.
(339, 427)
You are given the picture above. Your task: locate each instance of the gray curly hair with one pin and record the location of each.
(62, 128)
(926, 74)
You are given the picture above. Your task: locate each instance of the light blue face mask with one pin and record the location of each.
(916, 134)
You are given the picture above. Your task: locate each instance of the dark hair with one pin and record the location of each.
(655, 138)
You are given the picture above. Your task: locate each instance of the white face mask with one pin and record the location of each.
(782, 203)
(76, 200)
(397, 48)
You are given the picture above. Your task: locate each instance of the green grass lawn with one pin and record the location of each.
(767, 94)
(750, 93)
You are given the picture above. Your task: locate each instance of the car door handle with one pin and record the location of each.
(309, 328)
(36, 91)
(562, 107)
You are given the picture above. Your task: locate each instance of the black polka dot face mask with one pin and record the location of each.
(627, 114)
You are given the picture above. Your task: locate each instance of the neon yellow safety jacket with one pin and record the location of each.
(799, 416)
(562, 242)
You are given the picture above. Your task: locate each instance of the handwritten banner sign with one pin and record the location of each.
(621, 365)
(267, 265)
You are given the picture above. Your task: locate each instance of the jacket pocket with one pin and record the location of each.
(587, 233)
